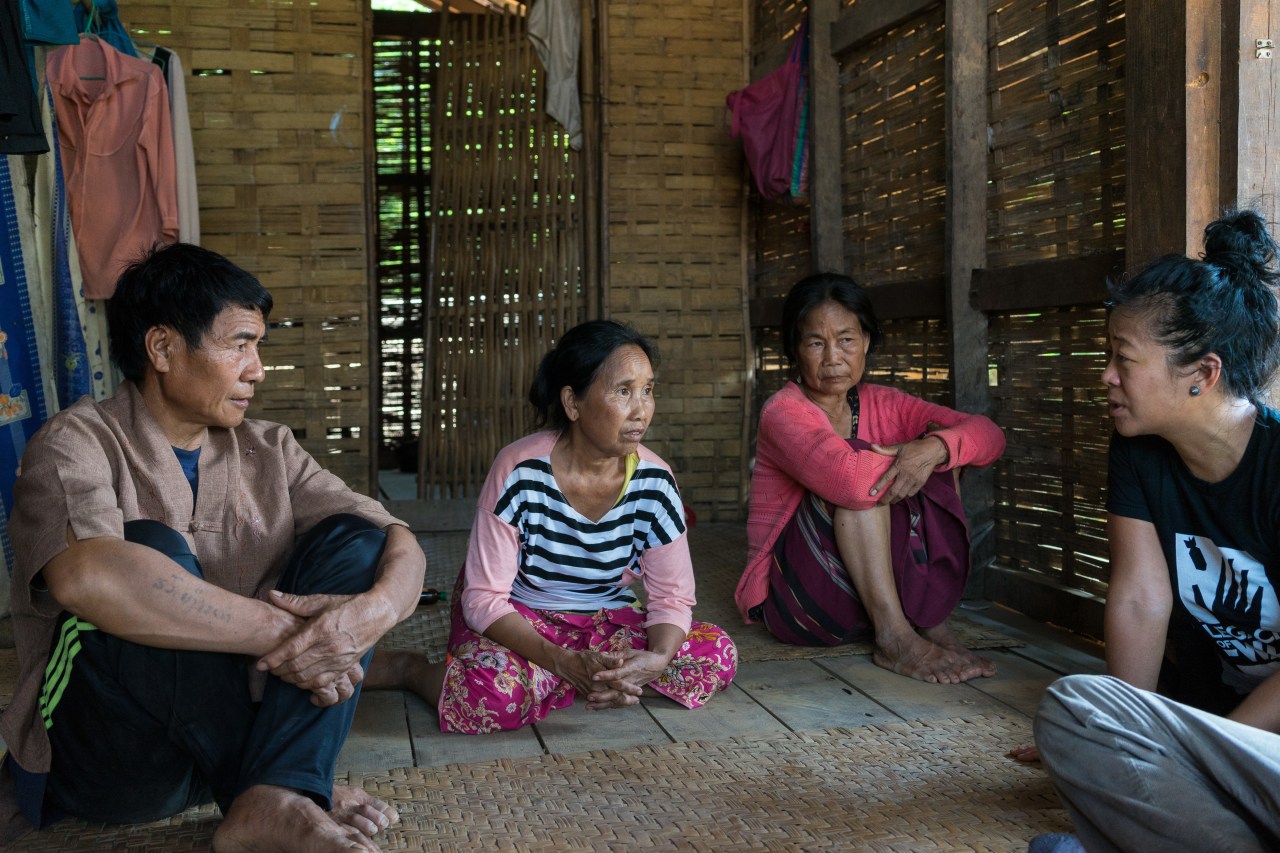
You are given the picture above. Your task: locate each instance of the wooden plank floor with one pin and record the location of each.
(393, 729)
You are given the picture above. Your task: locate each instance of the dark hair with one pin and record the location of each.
(1223, 303)
(812, 291)
(575, 361)
(180, 286)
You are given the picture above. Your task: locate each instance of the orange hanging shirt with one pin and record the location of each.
(117, 157)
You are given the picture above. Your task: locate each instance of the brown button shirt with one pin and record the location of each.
(95, 466)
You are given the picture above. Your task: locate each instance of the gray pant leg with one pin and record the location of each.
(1139, 772)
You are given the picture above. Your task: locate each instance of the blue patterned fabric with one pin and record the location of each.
(71, 356)
(22, 403)
(49, 22)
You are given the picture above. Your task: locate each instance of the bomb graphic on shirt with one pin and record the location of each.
(1227, 591)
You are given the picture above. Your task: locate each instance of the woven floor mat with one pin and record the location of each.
(940, 785)
(719, 556)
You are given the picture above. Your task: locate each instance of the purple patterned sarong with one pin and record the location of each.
(811, 600)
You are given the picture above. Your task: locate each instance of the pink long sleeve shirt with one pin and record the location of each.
(117, 155)
(797, 453)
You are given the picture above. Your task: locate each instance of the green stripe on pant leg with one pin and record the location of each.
(58, 673)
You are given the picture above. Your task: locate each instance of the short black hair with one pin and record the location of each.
(181, 286)
(1223, 302)
(815, 290)
(575, 361)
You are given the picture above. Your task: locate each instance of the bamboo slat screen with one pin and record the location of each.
(675, 230)
(277, 105)
(914, 356)
(508, 249)
(406, 54)
(894, 169)
(1057, 189)
(1050, 484)
(1057, 167)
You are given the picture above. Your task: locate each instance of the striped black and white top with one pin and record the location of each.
(565, 561)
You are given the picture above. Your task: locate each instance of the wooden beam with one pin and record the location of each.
(867, 19)
(966, 247)
(826, 126)
(1046, 284)
(898, 300)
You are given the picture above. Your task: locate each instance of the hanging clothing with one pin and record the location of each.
(69, 361)
(22, 396)
(556, 33)
(49, 22)
(117, 150)
(19, 110)
(183, 147)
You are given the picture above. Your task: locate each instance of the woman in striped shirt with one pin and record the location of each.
(568, 519)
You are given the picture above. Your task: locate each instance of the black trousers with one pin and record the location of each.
(141, 733)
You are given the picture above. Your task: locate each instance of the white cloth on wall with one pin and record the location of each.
(183, 148)
(556, 33)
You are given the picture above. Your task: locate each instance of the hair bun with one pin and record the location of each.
(1242, 246)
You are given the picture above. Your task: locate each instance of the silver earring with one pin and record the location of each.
(1195, 390)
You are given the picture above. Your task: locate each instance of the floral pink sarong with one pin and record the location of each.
(489, 688)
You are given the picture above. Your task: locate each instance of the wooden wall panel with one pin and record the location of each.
(675, 230)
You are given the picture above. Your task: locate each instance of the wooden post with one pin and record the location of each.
(826, 124)
(966, 243)
(1173, 102)
(1250, 119)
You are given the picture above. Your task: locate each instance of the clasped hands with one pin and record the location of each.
(322, 654)
(915, 463)
(610, 679)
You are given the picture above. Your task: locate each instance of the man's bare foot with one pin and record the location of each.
(270, 819)
(1025, 753)
(941, 635)
(357, 808)
(909, 654)
(402, 670)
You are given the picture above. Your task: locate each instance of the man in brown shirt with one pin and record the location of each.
(195, 600)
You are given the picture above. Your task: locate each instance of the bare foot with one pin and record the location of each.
(1025, 753)
(402, 670)
(909, 654)
(356, 807)
(941, 635)
(270, 819)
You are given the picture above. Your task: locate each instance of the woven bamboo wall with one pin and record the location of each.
(1057, 190)
(507, 262)
(675, 229)
(1050, 483)
(277, 104)
(894, 169)
(1057, 185)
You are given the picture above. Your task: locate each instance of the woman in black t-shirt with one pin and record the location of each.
(1194, 528)
(1194, 481)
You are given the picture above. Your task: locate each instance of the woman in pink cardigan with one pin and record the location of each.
(855, 528)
